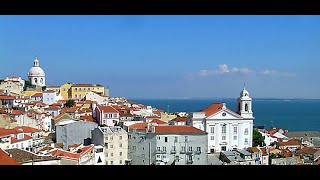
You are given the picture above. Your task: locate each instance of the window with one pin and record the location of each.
(190, 158)
(106, 154)
(129, 136)
(111, 138)
(84, 89)
(110, 115)
(120, 145)
(106, 162)
(111, 146)
(198, 148)
(164, 148)
(175, 139)
(79, 89)
(234, 137)
(246, 131)
(143, 160)
(223, 137)
(173, 148)
(111, 162)
(212, 129)
(224, 129)
(111, 154)
(186, 139)
(88, 89)
(190, 148)
(120, 154)
(158, 148)
(21, 145)
(120, 162)
(235, 130)
(165, 139)
(212, 138)
(223, 148)
(80, 96)
(106, 138)
(142, 148)
(47, 99)
(246, 141)
(163, 156)
(51, 99)
(158, 137)
(158, 156)
(183, 148)
(120, 137)
(76, 96)
(133, 148)
(75, 89)
(246, 107)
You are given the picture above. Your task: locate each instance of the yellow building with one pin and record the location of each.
(65, 91)
(79, 91)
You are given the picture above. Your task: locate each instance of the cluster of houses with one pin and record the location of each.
(39, 126)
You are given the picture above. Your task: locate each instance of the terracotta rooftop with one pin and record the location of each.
(26, 137)
(139, 126)
(16, 112)
(87, 118)
(26, 129)
(37, 95)
(49, 91)
(306, 150)
(170, 129)
(158, 121)
(108, 109)
(5, 159)
(180, 119)
(7, 97)
(291, 142)
(23, 156)
(212, 109)
(69, 155)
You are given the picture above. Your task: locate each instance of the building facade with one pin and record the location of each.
(168, 145)
(115, 143)
(227, 130)
(107, 115)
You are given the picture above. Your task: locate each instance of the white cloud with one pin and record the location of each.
(225, 69)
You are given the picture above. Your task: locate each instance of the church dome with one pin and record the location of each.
(36, 70)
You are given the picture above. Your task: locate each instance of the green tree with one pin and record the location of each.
(27, 84)
(258, 139)
(69, 103)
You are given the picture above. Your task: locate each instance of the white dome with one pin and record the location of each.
(36, 71)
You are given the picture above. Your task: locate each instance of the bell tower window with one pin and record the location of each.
(35, 80)
(246, 107)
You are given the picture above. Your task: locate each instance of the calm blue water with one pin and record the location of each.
(294, 115)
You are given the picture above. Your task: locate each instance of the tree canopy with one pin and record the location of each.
(258, 139)
(69, 103)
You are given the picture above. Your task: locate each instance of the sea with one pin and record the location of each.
(290, 114)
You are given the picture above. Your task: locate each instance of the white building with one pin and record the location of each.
(49, 97)
(36, 75)
(12, 84)
(227, 130)
(101, 100)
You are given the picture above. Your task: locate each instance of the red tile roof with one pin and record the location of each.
(70, 155)
(291, 142)
(7, 97)
(7, 132)
(26, 137)
(178, 129)
(152, 117)
(180, 119)
(212, 109)
(158, 121)
(60, 115)
(87, 118)
(139, 126)
(107, 109)
(306, 150)
(82, 85)
(5, 159)
(26, 129)
(49, 91)
(264, 151)
(37, 95)
(16, 112)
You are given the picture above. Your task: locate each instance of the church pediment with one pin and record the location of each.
(225, 114)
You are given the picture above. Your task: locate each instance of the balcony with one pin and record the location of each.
(198, 152)
(189, 152)
(164, 151)
(172, 151)
(158, 151)
(182, 151)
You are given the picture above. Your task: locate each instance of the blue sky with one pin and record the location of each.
(169, 56)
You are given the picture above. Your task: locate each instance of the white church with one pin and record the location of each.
(36, 75)
(227, 130)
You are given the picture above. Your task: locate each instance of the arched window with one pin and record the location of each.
(41, 80)
(246, 107)
(35, 80)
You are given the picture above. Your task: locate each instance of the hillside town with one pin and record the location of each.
(81, 124)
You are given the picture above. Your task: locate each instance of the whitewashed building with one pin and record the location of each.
(227, 130)
(49, 97)
(107, 115)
